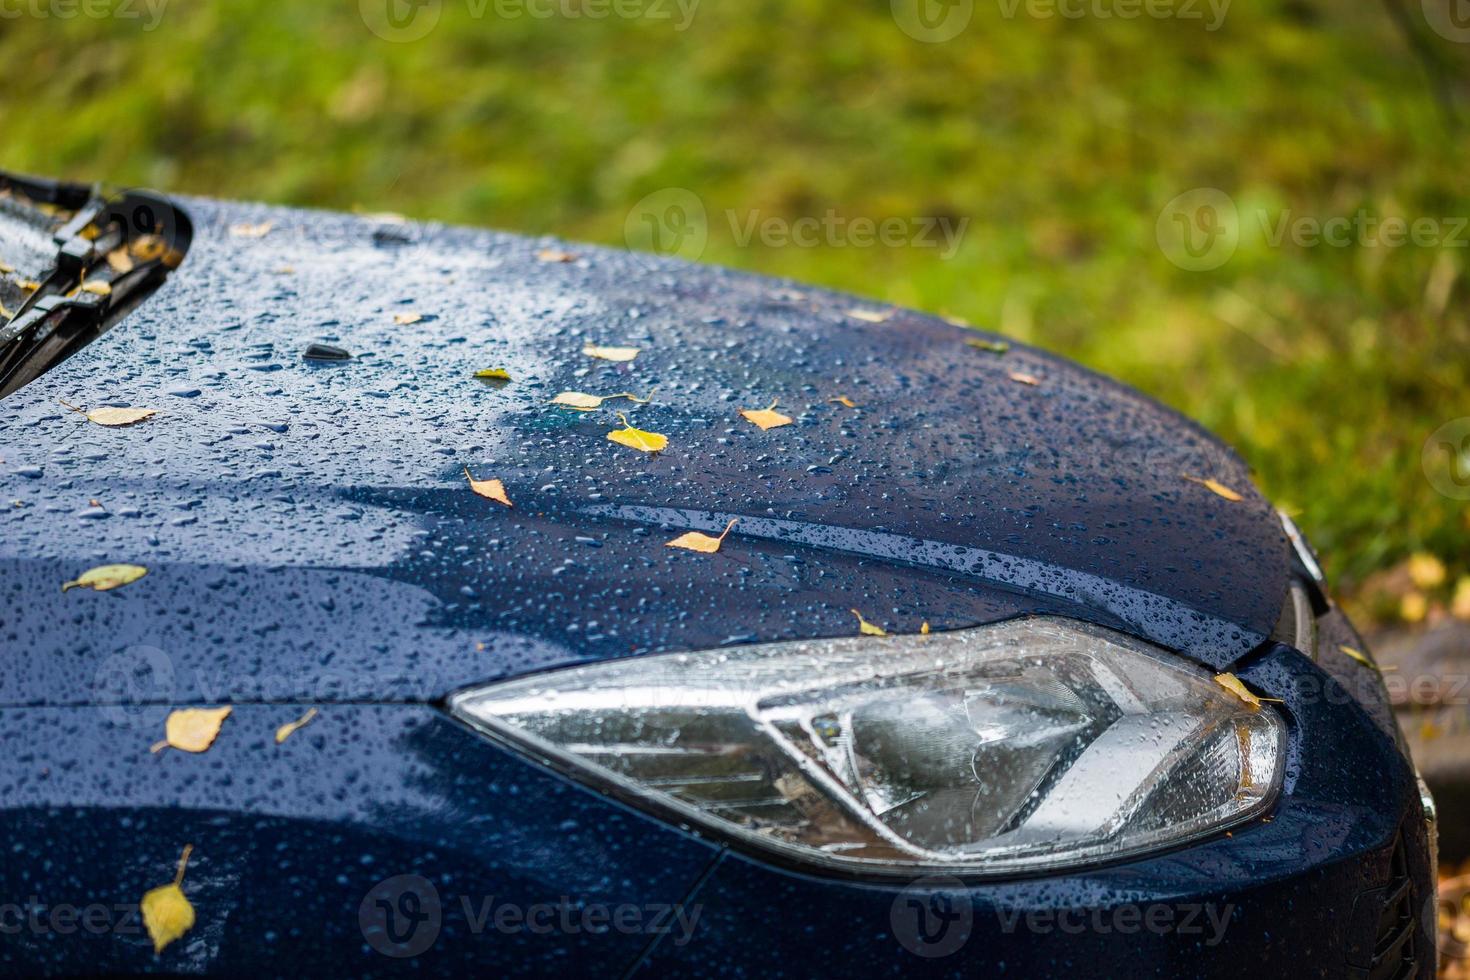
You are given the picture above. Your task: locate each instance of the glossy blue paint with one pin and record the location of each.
(311, 541)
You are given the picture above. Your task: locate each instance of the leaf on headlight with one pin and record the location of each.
(867, 628)
(166, 912)
(766, 418)
(648, 442)
(489, 489)
(292, 727)
(192, 729)
(610, 353)
(694, 541)
(1216, 487)
(1232, 684)
(104, 578)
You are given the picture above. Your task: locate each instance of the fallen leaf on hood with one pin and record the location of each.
(6, 268)
(956, 321)
(104, 578)
(584, 402)
(1232, 684)
(924, 630)
(114, 418)
(555, 255)
(990, 346)
(871, 316)
(96, 287)
(166, 912)
(1216, 487)
(489, 489)
(867, 628)
(610, 353)
(493, 374)
(292, 727)
(648, 442)
(1022, 377)
(844, 400)
(405, 319)
(192, 729)
(766, 418)
(694, 541)
(247, 230)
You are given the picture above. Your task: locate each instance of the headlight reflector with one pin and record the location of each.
(1032, 743)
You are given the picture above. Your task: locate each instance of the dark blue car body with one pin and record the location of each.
(311, 542)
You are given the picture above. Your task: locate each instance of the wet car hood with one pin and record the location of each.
(310, 534)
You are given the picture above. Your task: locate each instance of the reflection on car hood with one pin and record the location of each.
(310, 534)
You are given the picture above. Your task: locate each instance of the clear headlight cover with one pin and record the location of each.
(1029, 744)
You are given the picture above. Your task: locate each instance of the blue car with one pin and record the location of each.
(391, 598)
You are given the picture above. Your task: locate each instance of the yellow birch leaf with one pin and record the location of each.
(990, 346)
(247, 230)
(493, 374)
(871, 316)
(192, 729)
(1357, 655)
(844, 400)
(489, 489)
(1022, 377)
(104, 578)
(166, 912)
(97, 287)
(867, 628)
(924, 630)
(116, 418)
(694, 541)
(583, 402)
(555, 255)
(1232, 684)
(405, 319)
(292, 727)
(766, 418)
(1216, 487)
(610, 353)
(648, 442)
(579, 400)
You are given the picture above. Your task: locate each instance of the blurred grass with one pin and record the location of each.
(1059, 139)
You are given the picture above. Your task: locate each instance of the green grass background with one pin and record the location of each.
(1059, 139)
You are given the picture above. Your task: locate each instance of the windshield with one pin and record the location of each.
(73, 262)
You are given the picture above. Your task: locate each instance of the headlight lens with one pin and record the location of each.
(1028, 744)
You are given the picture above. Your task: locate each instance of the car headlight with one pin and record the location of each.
(1028, 744)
